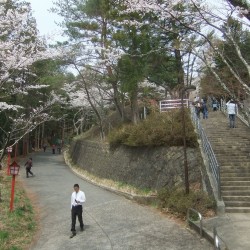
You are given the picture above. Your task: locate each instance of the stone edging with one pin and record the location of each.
(138, 198)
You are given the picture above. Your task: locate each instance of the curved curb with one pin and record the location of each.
(146, 200)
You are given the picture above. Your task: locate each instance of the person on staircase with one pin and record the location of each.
(198, 109)
(232, 110)
(204, 110)
(215, 104)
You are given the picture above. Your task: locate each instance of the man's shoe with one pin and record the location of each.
(72, 235)
(82, 229)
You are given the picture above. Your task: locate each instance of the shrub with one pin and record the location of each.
(159, 129)
(178, 202)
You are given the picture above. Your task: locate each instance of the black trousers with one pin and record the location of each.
(28, 171)
(76, 211)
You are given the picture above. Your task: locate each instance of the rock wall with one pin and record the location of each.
(142, 167)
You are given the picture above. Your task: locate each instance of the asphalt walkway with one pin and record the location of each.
(111, 221)
(232, 229)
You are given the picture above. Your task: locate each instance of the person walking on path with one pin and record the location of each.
(44, 147)
(28, 166)
(77, 200)
(53, 149)
(232, 110)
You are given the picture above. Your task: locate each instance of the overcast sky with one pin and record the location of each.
(45, 19)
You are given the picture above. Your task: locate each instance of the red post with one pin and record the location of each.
(12, 192)
(16, 151)
(8, 163)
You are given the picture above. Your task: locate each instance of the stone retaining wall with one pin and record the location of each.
(142, 167)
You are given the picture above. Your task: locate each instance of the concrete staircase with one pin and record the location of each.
(232, 150)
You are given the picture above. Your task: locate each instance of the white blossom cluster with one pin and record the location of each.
(20, 47)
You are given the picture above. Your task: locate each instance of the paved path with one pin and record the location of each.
(111, 221)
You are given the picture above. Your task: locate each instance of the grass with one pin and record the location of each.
(18, 227)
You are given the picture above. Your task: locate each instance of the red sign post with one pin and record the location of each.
(9, 150)
(14, 170)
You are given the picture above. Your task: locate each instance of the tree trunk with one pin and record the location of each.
(180, 72)
(134, 106)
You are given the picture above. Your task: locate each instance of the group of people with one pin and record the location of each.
(231, 107)
(53, 148)
(78, 197)
(201, 107)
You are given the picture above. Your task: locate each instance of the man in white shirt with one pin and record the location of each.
(232, 110)
(77, 200)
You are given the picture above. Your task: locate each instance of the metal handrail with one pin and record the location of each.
(214, 238)
(219, 244)
(207, 151)
(191, 221)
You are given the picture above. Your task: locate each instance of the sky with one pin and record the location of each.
(45, 19)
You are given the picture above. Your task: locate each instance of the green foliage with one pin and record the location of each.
(159, 129)
(15, 248)
(3, 235)
(19, 226)
(178, 202)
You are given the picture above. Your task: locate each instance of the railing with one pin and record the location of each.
(219, 244)
(192, 217)
(208, 151)
(195, 220)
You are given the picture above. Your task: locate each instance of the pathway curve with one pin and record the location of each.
(111, 221)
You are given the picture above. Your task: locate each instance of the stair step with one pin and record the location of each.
(235, 183)
(234, 175)
(235, 188)
(236, 162)
(235, 170)
(235, 178)
(231, 165)
(235, 193)
(234, 159)
(236, 167)
(237, 203)
(231, 148)
(241, 154)
(236, 198)
(237, 209)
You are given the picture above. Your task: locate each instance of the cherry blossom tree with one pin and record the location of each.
(90, 97)
(206, 23)
(242, 6)
(20, 48)
(89, 26)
